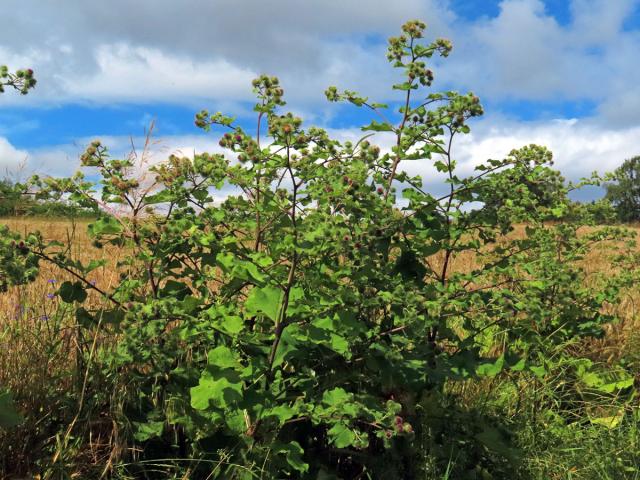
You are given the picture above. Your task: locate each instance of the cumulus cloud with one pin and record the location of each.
(206, 53)
(145, 74)
(525, 53)
(579, 148)
(600, 21)
(303, 42)
(177, 52)
(11, 158)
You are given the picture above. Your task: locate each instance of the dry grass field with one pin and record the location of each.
(40, 339)
(38, 334)
(31, 308)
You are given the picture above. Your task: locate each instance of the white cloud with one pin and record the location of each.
(622, 110)
(145, 74)
(166, 51)
(190, 51)
(599, 21)
(579, 147)
(11, 158)
(64, 159)
(525, 53)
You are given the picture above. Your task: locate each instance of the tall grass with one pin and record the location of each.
(44, 352)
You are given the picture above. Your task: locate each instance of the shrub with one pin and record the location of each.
(305, 325)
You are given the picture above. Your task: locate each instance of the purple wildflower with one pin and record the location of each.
(44, 318)
(51, 280)
(51, 295)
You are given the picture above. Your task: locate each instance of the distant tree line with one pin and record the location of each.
(16, 201)
(623, 190)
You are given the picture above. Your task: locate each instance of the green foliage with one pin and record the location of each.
(16, 199)
(599, 212)
(9, 198)
(18, 264)
(623, 190)
(576, 420)
(305, 326)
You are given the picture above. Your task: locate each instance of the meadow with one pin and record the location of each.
(310, 325)
(43, 347)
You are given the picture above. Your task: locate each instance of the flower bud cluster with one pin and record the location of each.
(397, 48)
(443, 46)
(402, 426)
(332, 94)
(22, 80)
(414, 28)
(174, 169)
(419, 71)
(210, 164)
(464, 107)
(284, 125)
(455, 114)
(93, 155)
(240, 142)
(204, 120)
(269, 88)
(124, 184)
(368, 153)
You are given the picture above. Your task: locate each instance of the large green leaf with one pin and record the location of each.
(606, 381)
(341, 435)
(281, 412)
(219, 389)
(222, 357)
(265, 300)
(498, 441)
(147, 430)
(72, 292)
(611, 421)
(105, 226)
(378, 127)
(293, 453)
(491, 369)
(336, 397)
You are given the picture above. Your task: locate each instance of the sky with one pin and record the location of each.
(561, 73)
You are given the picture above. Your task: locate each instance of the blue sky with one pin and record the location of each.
(562, 73)
(472, 10)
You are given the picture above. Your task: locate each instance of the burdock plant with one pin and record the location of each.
(305, 325)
